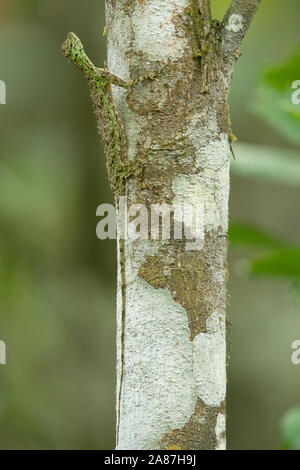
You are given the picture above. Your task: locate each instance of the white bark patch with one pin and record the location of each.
(235, 23)
(158, 393)
(118, 41)
(203, 128)
(154, 29)
(214, 155)
(118, 64)
(211, 152)
(209, 352)
(208, 189)
(216, 323)
(136, 253)
(220, 430)
(131, 123)
(158, 390)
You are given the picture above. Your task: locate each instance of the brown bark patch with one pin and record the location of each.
(152, 272)
(198, 433)
(223, 117)
(191, 279)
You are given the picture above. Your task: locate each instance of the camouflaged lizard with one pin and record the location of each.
(109, 123)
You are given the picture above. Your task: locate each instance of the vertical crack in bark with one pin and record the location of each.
(122, 355)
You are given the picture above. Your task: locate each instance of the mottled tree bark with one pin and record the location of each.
(171, 370)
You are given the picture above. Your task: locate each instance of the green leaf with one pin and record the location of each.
(280, 77)
(290, 430)
(240, 234)
(281, 263)
(267, 164)
(274, 98)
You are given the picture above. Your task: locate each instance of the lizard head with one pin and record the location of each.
(72, 47)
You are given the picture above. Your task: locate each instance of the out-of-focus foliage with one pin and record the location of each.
(274, 98)
(273, 164)
(267, 164)
(290, 430)
(57, 305)
(274, 104)
(281, 263)
(241, 234)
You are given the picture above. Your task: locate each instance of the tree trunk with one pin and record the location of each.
(171, 369)
(171, 307)
(166, 131)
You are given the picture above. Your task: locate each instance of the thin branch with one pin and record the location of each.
(236, 22)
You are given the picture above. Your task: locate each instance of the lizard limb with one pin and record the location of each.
(109, 123)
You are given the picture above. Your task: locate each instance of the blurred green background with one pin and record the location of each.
(57, 281)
